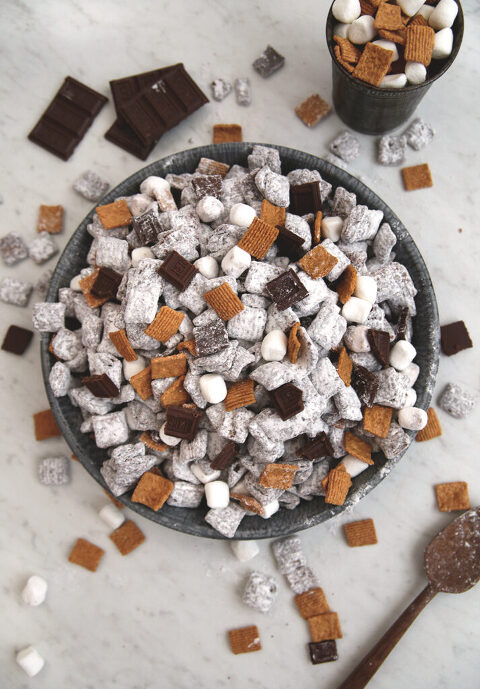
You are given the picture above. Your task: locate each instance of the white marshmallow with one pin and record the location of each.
(30, 661)
(353, 465)
(412, 418)
(217, 494)
(274, 346)
(241, 214)
(212, 387)
(346, 11)
(340, 30)
(411, 398)
(442, 44)
(426, 11)
(209, 208)
(402, 354)
(245, 550)
(112, 516)
(388, 45)
(393, 81)
(197, 471)
(356, 310)
(270, 508)
(357, 339)
(140, 253)
(443, 15)
(410, 7)
(154, 186)
(131, 368)
(35, 591)
(362, 30)
(332, 228)
(366, 288)
(75, 283)
(140, 203)
(207, 266)
(169, 440)
(412, 372)
(236, 261)
(415, 72)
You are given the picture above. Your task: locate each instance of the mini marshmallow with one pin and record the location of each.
(213, 388)
(410, 7)
(141, 253)
(332, 228)
(412, 372)
(415, 72)
(362, 30)
(346, 11)
(412, 418)
(30, 661)
(356, 338)
(154, 186)
(393, 81)
(35, 591)
(112, 516)
(202, 476)
(411, 398)
(207, 266)
(426, 11)
(366, 288)
(443, 15)
(241, 214)
(402, 354)
(169, 440)
(131, 368)
(75, 283)
(274, 346)
(270, 508)
(209, 208)
(245, 550)
(217, 494)
(353, 465)
(340, 30)
(442, 44)
(236, 261)
(388, 45)
(356, 310)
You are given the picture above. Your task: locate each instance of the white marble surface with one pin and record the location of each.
(158, 618)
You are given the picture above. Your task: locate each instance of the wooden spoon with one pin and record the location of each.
(452, 565)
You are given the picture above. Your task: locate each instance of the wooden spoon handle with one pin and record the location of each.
(368, 666)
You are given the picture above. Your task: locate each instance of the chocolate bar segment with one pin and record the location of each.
(177, 270)
(288, 400)
(182, 422)
(121, 134)
(127, 88)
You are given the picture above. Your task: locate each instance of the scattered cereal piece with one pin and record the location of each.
(323, 651)
(86, 285)
(419, 42)
(240, 394)
(432, 429)
(317, 228)
(272, 215)
(50, 219)
(122, 345)
(91, 186)
(258, 238)
(189, 345)
(175, 394)
(224, 301)
(391, 149)
(147, 440)
(345, 366)
(152, 490)
(45, 425)
(12, 249)
(346, 146)
(142, 383)
(373, 64)
(225, 133)
(346, 284)
(312, 110)
(318, 262)
(360, 533)
(116, 214)
(419, 134)
(260, 592)
(244, 640)
(220, 89)
(269, 62)
(165, 324)
(377, 419)
(278, 476)
(325, 627)
(127, 537)
(417, 177)
(169, 366)
(457, 401)
(294, 344)
(86, 554)
(311, 603)
(243, 91)
(395, 36)
(248, 503)
(338, 54)
(16, 339)
(455, 338)
(452, 496)
(42, 248)
(54, 471)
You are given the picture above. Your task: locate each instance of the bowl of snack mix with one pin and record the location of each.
(386, 55)
(239, 341)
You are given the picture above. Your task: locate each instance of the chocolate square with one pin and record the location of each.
(207, 185)
(288, 400)
(16, 339)
(147, 227)
(101, 385)
(322, 651)
(455, 338)
(305, 198)
(380, 345)
(316, 449)
(121, 134)
(182, 422)
(106, 283)
(365, 384)
(286, 290)
(210, 338)
(177, 270)
(289, 244)
(225, 457)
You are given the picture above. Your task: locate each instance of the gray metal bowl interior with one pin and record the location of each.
(425, 339)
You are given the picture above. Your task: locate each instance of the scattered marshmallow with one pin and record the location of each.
(169, 440)
(426, 11)
(353, 465)
(388, 45)
(362, 30)
(213, 388)
(412, 418)
(412, 371)
(346, 11)
(35, 590)
(217, 494)
(112, 516)
(154, 186)
(410, 7)
(207, 266)
(30, 661)
(204, 473)
(442, 44)
(402, 354)
(274, 345)
(131, 368)
(366, 288)
(415, 72)
(443, 15)
(393, 81)
(245, 550)
(340, 30)
(75, 283)
(236, 261)
(140, 253)
(356, 310)
(356, 338)
(209, 208)
(332, 228)
(270, 508)
(241, 214)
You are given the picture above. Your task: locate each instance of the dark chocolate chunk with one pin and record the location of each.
(225, 457)
(101, 385)
(268, 62)
(207, 185)
(66, 120)
(288, 400)
(147, 227)
(286, 290)
(316, 449)
(365, 384)
(402, 323)
(121, 134)
(210, 338)
(379, 341)
(177, 270)
(182, 422)
(16, 339)
(455, 337)
(289, 244)
(323, 651)
(127, 88)
(106, 283)
(305, 198)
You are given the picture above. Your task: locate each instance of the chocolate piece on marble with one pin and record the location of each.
(16, 339)
(323, 651)
(455, 338)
